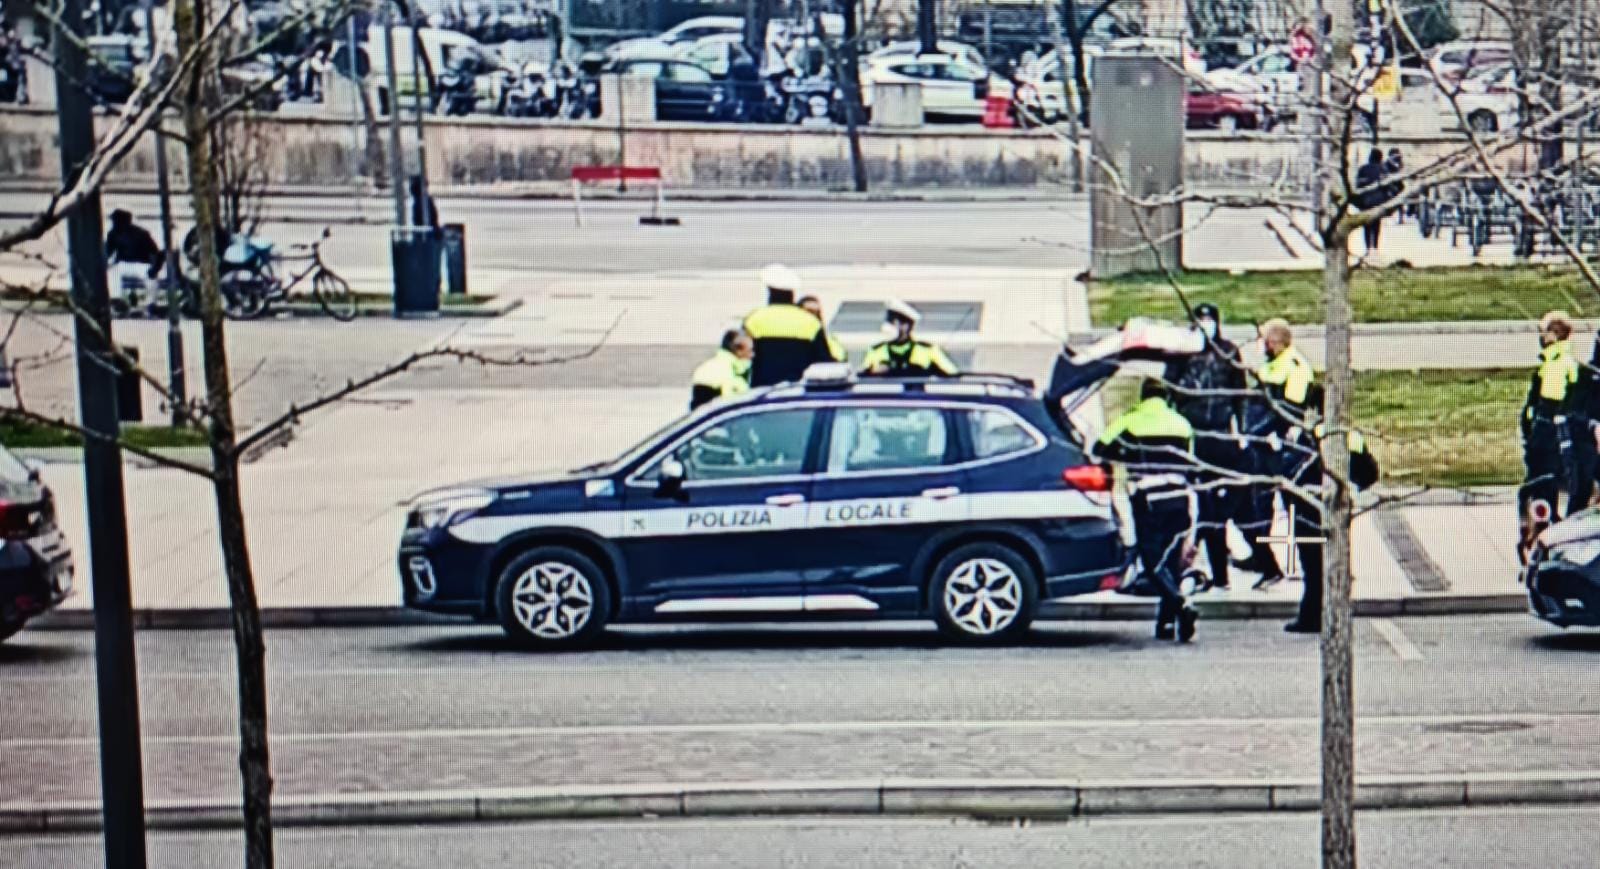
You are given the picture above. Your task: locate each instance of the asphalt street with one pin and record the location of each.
(1563, 838)
(440, 708)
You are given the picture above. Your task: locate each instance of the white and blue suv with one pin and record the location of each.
(966, 500)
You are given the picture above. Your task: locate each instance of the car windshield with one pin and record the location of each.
(644, 445)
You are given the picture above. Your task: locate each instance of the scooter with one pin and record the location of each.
(458, 92)
(134, 287)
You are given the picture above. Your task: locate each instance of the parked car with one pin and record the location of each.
(666, 43)
(36, 568)
(1454, 61)
(1272, 74)
(958, 50)
(1208, 109)
(719, 53)
(1491, 101)
(950, 88)
(1040, 94)
(684, 91)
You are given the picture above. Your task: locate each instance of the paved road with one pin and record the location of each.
(455, 708)
(1546, 838)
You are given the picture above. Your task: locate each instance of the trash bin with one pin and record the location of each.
(454, 238)
(415, 254)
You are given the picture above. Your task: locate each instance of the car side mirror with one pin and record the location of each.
(669, 482)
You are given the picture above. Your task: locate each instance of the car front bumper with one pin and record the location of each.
(441, 574)
(1563, 595)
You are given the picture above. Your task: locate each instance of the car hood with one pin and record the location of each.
(528, 483)
(1583, 525)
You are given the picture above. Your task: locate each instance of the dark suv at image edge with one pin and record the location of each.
(963, 500)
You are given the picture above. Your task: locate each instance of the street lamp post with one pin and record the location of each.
(175, 359)
(116, 674)
(397, 165)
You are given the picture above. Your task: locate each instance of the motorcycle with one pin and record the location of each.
(458, 91)
(249, 281)
(536, 93)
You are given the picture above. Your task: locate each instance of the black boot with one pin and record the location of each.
(1165, 631)
(1186, 622)
(1299, 627)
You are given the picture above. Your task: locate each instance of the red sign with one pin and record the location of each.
(1301, 46)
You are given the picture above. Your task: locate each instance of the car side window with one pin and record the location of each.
(747, 447)
(997, 434)
(887, 439)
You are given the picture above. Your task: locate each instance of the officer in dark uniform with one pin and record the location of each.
(727, 373)
(1208, 389)
(788, 338)
(814, 305)
(1155, 443)
(905, 355)
(1305, 460)
(1288, 384)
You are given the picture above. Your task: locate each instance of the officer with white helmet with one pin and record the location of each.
(788, 338)
(904, 355)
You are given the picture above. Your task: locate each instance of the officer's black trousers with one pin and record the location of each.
(1218, 501)
(1161, 524)
(1541, 456)
(1581, 461)
(1311, 567)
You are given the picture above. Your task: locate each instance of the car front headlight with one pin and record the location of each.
(1581, 551)
(443, 509)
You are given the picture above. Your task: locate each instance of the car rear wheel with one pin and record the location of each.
(553, 598)
(1228, 124)
(984, 593)
(9, 628)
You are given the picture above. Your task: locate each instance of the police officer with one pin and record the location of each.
(1275, 439)
(788, 339)
(1208, 389)
(904, 355)
(814, 305)
(1155, 443)
(1546, 435)
(727, 373)
(1306, 472)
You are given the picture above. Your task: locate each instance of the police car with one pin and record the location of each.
(968, 500)
(1563, 572)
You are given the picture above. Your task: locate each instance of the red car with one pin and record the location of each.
(1223, 111)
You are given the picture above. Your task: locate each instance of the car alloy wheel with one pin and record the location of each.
(552, 601)
(552, 597)
(984, 592)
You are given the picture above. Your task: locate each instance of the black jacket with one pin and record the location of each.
(132, 244)
(1198, 379)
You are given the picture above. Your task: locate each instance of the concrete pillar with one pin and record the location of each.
(628, 100)
(1136, 127)
(41, 79)
(341, 97)
(897, 105)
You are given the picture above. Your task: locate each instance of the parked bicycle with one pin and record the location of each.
(251, 282)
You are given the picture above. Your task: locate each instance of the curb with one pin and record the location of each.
(1088, 611)
(979, 798)
(500, 306)
(1239, 334)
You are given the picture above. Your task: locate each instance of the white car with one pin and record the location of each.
(958, 50)
(1454, 61)
(1193, 63)
(665, 43)
(1040, 93)
(1272, 73)
(950, 87)
(717, 53)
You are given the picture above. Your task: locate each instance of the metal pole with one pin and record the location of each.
(397, 160)
(175, 357)
(1579, 177)
(116, 672)
(1314, 115)
(422, 145)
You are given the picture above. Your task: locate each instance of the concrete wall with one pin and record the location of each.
(492, 151)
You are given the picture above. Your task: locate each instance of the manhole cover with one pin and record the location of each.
(1479, 727)
(858, 316)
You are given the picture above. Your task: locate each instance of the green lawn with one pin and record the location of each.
(17, 433)
(1430, 427)
(1378, 295)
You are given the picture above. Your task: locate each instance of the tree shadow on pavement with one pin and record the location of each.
(1585, 641)
(785, 638)
(16, 651)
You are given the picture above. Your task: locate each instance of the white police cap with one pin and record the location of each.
(780, 277)
(896, 309)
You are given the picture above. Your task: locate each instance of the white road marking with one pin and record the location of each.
(1403, 648)
(759, 727)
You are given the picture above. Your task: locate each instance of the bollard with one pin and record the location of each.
(454, 238)
(415, 254)
(130, 394)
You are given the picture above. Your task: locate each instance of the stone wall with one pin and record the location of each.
(320, 152)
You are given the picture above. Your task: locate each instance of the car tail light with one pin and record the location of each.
(1088, 478)
(1110, 582)
(18, 521)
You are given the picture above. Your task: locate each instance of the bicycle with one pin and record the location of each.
(251, 284)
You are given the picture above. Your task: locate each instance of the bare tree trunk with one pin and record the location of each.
(852, 91)
(249, 648)
(1338, 710)
(928, 25)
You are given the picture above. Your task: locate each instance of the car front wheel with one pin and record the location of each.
(984, 593)
(553, 598)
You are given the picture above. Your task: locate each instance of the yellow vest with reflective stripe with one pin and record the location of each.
(1289, 370)
(913, 357)
(1151, 418)
(724, 372)
(1557, 371)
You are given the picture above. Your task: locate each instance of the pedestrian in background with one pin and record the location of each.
(725, 373)
(1394, 166)
(424, 212)
(1370, 193)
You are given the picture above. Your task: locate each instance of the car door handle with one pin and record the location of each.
(941, 494)
(788, 500)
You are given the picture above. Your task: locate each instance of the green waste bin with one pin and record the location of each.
(415, 253)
